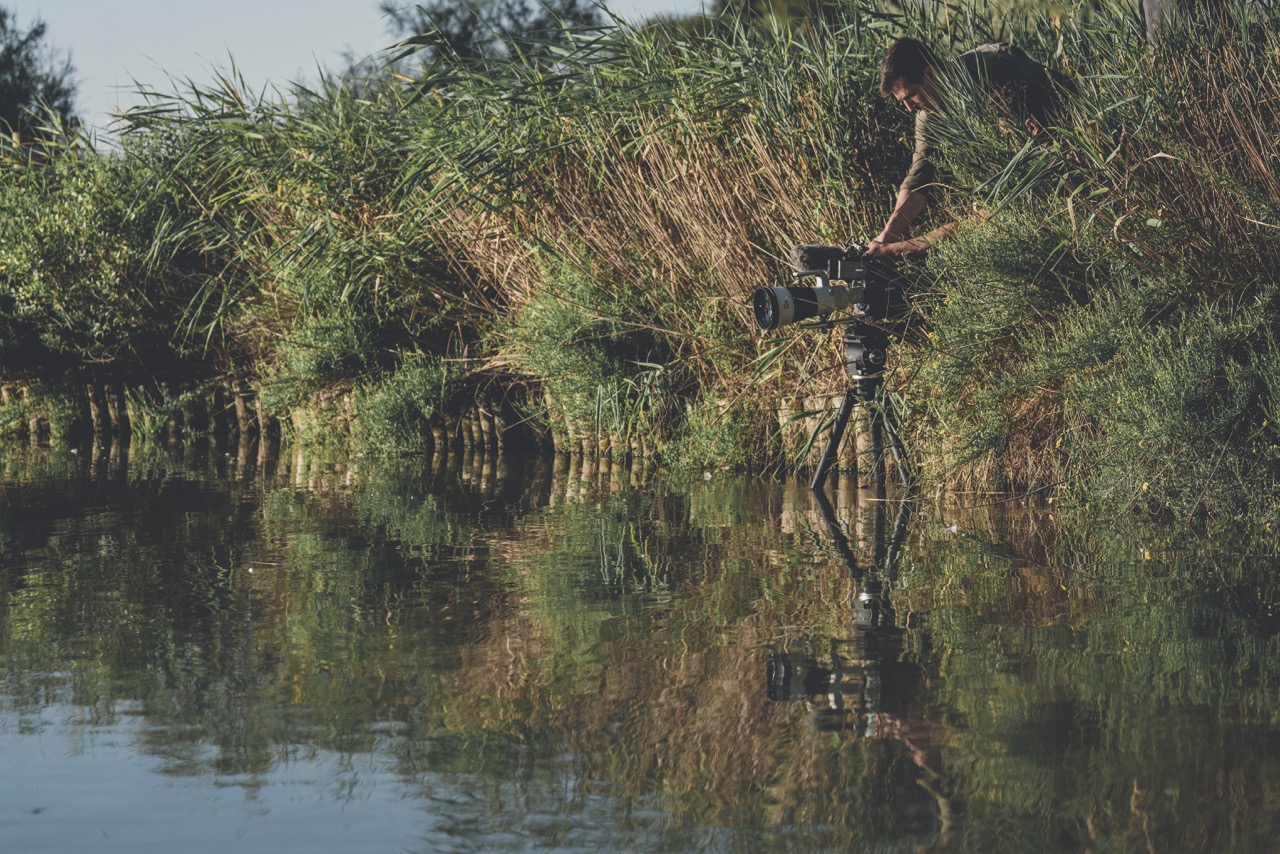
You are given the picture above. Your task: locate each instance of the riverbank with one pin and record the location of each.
(557, 251)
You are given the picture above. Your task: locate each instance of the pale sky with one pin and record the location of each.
(114, 42)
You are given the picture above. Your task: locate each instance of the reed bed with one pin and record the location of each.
(564, 239)
(1107, 328)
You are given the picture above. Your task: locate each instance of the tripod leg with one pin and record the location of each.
(833, 443)
(895, 444)
(876, 423)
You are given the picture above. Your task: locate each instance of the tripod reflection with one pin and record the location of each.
(863, 687)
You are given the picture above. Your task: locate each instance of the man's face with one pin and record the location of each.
(915, 96)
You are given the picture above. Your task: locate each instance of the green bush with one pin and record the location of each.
(97, 269)
(397, 411)
(602, 367)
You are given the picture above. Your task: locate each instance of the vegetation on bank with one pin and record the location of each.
(563, 239)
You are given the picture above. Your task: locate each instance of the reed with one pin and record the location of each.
(1107, 325)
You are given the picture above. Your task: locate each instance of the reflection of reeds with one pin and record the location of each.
(671, 701)
(656, 717)
(1049, 668)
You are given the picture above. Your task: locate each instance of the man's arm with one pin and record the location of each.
(912, 197)
(914, 247)
(909, 205)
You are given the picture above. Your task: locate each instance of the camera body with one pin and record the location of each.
(865, 290)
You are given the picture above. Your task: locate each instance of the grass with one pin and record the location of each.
(1107, 326)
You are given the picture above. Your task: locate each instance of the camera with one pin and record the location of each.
(865, 291)
(877, 298)
(841, 696)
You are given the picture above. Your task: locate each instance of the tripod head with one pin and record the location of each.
(866, 352)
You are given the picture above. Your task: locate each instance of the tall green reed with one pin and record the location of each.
(672, 172)
(1104, 325)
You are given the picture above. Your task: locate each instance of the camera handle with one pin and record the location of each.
(865, 349)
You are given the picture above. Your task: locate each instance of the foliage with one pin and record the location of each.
(602, 364)
(100, 261)
(1107, 323)
(33, 78)
(584, 217)
(397, 410)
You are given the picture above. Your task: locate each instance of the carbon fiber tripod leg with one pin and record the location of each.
(833, 443)
(895, 444)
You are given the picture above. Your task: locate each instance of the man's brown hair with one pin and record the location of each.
(905, 62)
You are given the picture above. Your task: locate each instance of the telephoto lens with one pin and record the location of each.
(778, 306)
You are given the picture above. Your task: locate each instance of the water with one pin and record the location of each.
(201, 653)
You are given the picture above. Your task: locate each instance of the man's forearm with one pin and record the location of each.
(908, 206)
(926, 242)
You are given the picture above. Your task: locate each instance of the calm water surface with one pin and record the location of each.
(200, 653)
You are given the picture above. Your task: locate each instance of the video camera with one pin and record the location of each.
(875, 295)
(866, 292)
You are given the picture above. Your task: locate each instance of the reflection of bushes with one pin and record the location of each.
(1106, 698)
(669, 700)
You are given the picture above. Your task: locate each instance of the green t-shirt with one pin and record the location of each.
(921, 173)
(1021, 87)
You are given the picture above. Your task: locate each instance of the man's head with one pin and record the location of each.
(907, 74)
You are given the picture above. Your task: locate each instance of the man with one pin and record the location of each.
(1019, 88)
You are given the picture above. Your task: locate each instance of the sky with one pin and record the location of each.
(113, 43)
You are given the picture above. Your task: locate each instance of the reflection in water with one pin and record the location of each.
(863, 687)
(854, 669)
(469, 653)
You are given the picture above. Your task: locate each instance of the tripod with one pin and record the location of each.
(865, 353)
